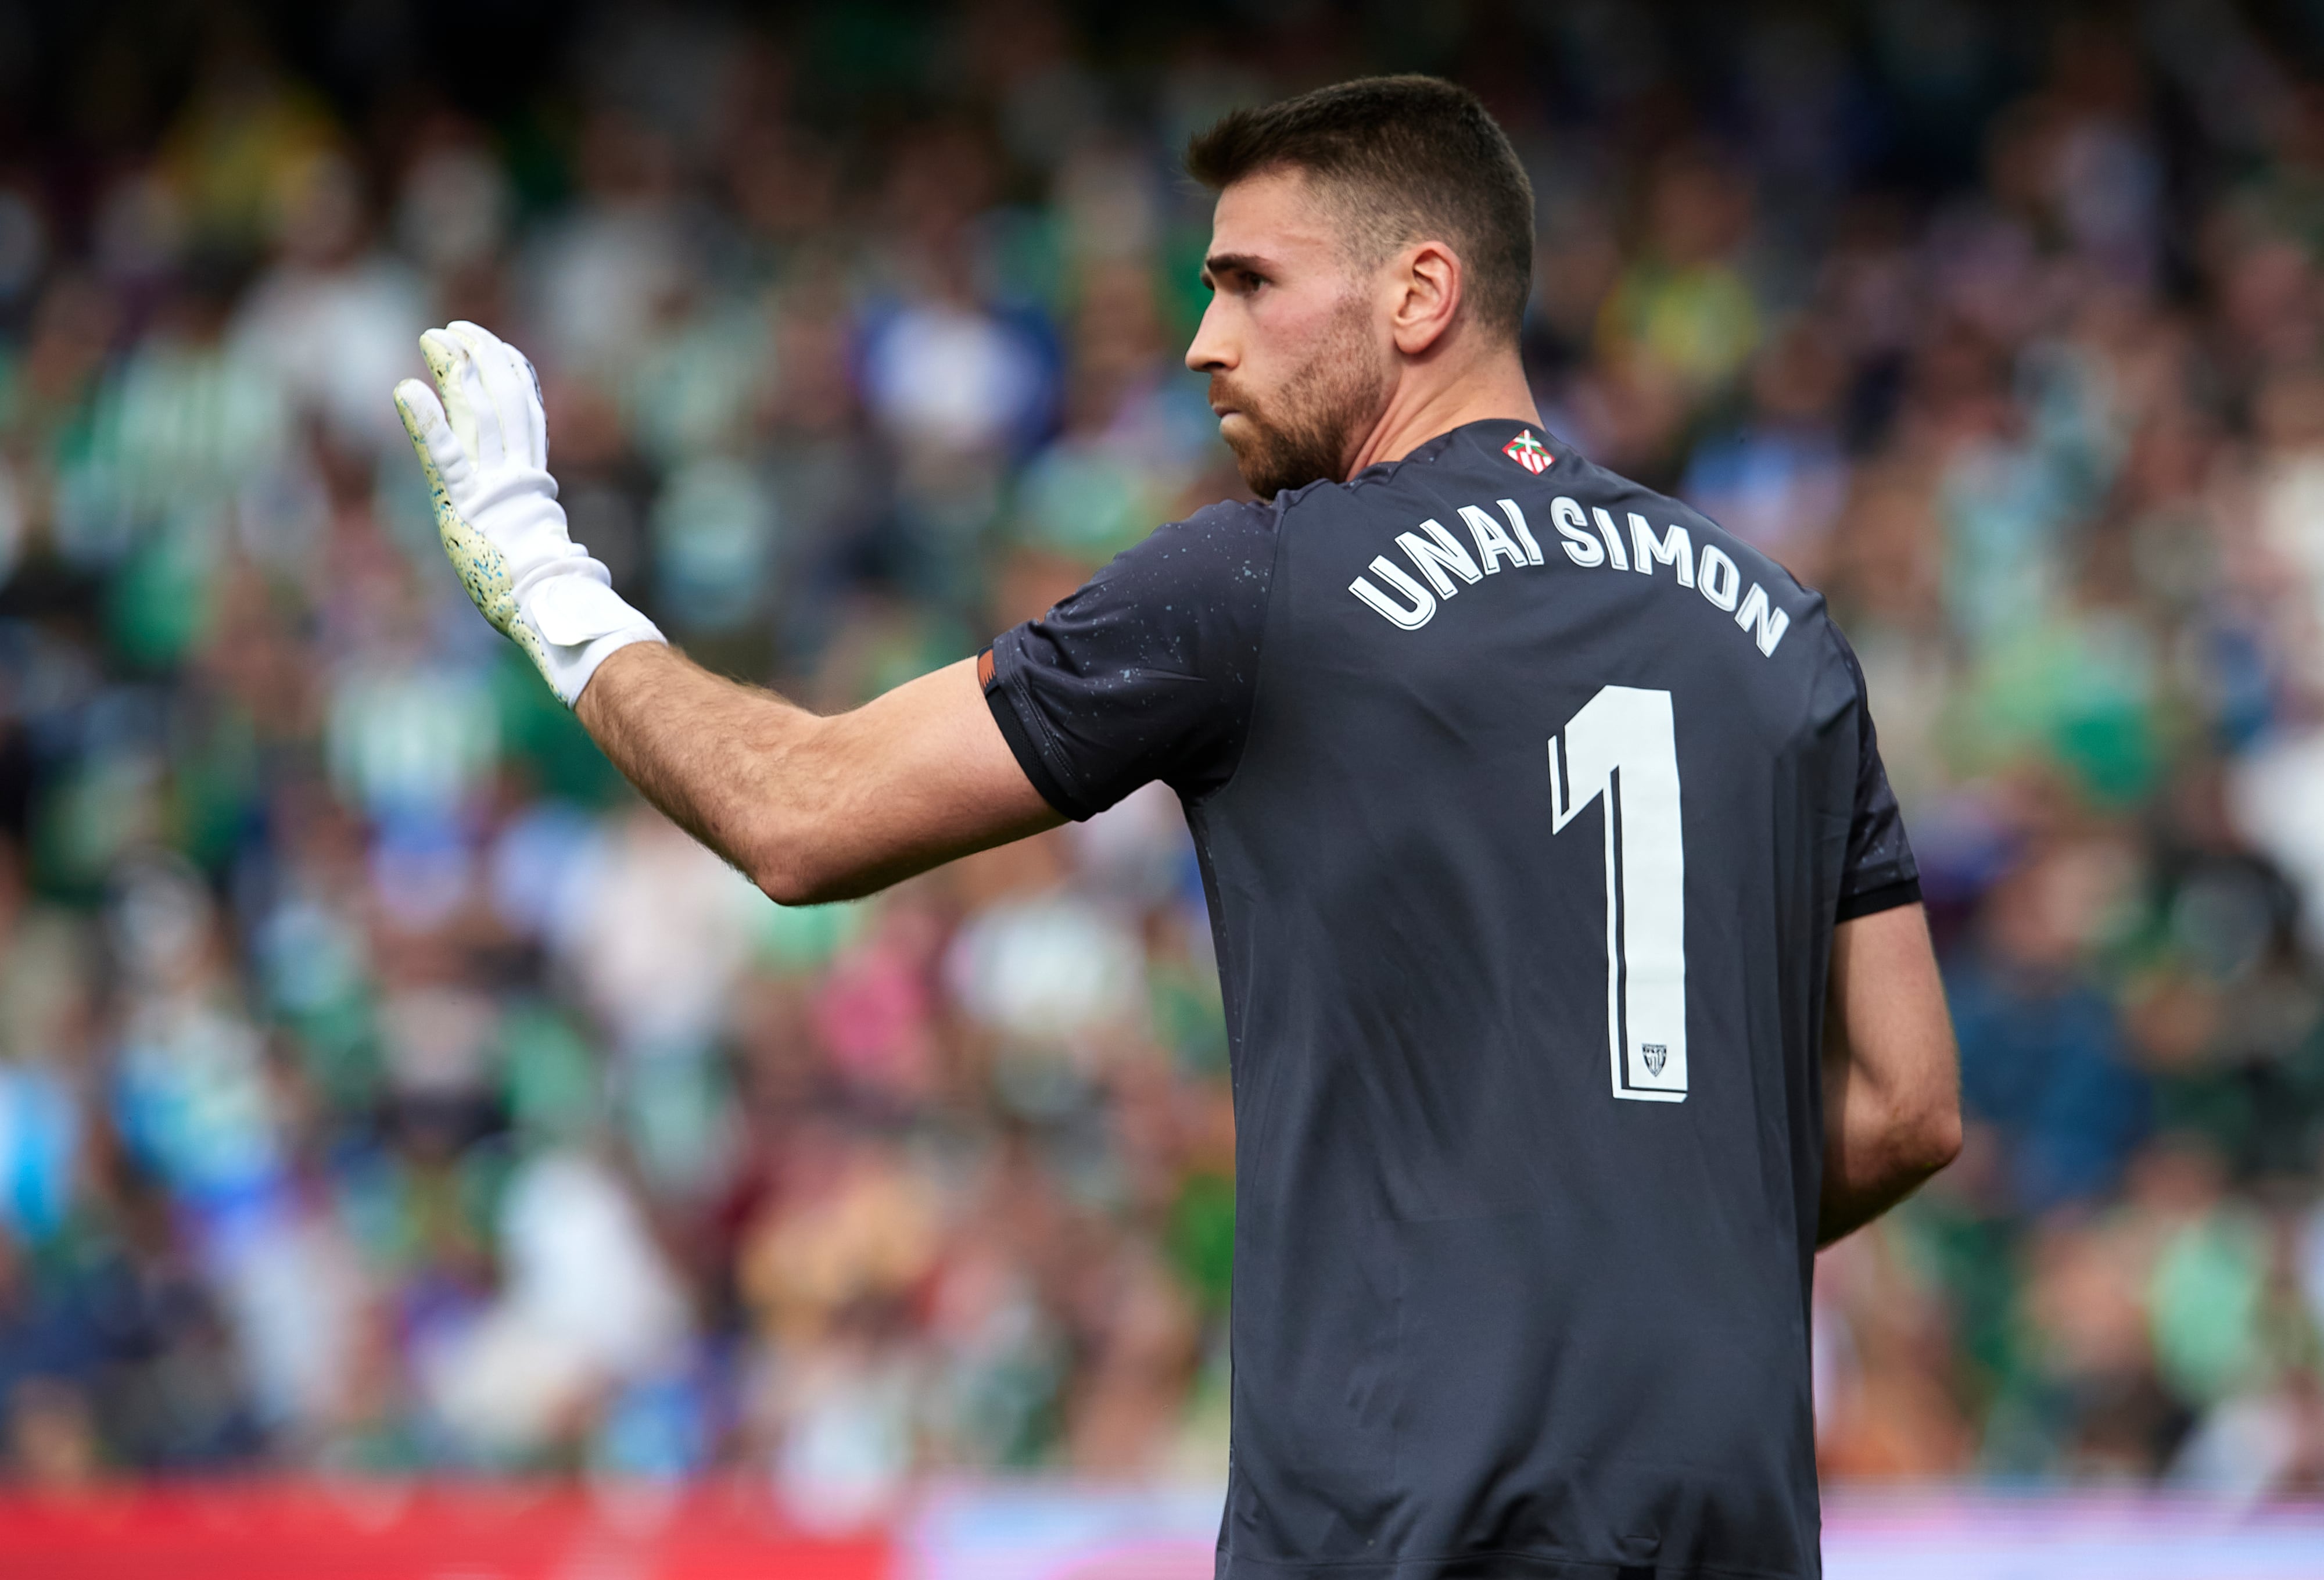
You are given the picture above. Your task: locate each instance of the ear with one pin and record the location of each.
(1427, 287)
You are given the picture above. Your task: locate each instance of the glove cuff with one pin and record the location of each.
(576, 672)
(578, 621)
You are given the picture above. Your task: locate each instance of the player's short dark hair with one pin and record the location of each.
(1416, 156)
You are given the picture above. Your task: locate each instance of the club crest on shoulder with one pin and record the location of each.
(1529, 452)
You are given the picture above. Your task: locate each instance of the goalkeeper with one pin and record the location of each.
(1576, 982)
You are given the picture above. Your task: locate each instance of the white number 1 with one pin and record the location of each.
(1620, 746)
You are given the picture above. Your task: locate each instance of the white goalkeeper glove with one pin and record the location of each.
(484, 449)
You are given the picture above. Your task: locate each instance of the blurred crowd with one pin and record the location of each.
(383, 1089)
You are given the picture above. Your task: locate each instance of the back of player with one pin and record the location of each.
(1524, 881)
(1529, 802)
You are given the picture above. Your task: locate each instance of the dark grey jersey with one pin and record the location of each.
(1526, 800)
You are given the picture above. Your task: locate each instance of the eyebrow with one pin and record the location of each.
(1249, 262)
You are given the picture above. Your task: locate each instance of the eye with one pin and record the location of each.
(1233, 278)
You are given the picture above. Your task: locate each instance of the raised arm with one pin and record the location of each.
(809, 808)
(1891, 1077)
(814, 807)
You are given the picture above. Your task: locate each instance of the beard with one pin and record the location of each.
(1306, 432)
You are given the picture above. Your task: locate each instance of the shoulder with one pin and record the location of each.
(1785, 615)
(1218, 552)
(1805, 606)
(1231, 526)
(1231, 531)
(1596, 486)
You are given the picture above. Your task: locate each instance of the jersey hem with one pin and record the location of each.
(1471, 1567)
(1887, 897)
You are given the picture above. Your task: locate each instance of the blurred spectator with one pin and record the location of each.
(1780, 483)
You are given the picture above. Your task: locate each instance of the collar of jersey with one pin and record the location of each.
(1490, 433)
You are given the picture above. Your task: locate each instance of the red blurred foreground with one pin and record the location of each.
(1029, 1529)
(359, 1529)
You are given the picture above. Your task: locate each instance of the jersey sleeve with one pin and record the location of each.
(1880, 873)
(1147, 671)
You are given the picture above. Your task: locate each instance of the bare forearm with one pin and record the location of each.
(1891, 1082)
(711, 753)
(1873, 1158)
(810, 808)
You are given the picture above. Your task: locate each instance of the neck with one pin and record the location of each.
(1426, 403)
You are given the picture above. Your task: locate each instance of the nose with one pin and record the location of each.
(1212, 349)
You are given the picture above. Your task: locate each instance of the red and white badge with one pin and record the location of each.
(1529, 452)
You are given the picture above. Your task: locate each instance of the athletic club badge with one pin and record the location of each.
(1528, 452)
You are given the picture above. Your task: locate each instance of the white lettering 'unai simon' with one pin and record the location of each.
(1445, 564)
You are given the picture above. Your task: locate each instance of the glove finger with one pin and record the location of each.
(507, 393)
(447, 359)
(520, 392)
(537, 409)
(440, 455)
(481, 567)
(515, 387)
(476, 358)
